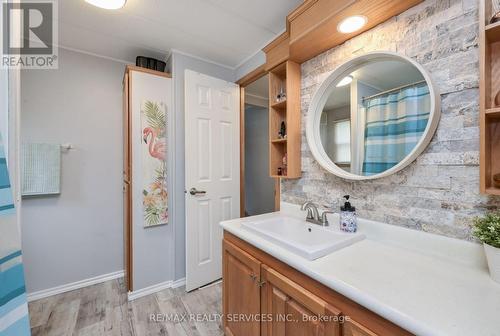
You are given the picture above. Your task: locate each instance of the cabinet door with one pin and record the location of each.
(241, 292)
(291, 310)
(352, 328)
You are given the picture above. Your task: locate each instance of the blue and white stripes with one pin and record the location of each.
(14, 318)
(6, 201)
(394, 125)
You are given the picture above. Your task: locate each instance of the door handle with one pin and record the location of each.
(194, 191)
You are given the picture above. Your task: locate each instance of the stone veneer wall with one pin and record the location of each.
(439, 192)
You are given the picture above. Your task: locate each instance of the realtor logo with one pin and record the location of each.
(29, 38)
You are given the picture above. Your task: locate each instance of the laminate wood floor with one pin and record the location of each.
(103, 309)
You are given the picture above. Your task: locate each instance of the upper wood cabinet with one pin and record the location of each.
(241, 291)
(294, 311)
(311, 30)
(277, 51)
(285, 154)
(312, 26)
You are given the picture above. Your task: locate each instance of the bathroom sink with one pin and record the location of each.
(300, 237)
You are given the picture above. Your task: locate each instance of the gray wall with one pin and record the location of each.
(78, 234)
(178, 63)
(250, 64)
(439, 192)
(259, 187)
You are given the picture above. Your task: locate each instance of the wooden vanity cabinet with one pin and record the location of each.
(272, 304)
(286, 302)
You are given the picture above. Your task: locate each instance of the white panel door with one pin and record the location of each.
(212, 172)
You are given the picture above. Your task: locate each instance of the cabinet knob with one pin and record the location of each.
(261, 283)
(253, 277)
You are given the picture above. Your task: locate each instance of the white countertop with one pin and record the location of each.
(424, 283)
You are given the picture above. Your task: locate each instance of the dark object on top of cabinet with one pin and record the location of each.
(150, 63)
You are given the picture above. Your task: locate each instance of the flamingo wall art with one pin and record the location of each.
(155, 197)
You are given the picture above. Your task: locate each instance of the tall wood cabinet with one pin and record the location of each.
(140, 85)
(276, 300)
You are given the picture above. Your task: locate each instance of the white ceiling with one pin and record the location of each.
(223, 31)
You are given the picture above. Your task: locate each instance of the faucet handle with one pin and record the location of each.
(324, 219)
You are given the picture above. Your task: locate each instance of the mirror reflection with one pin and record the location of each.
(375, 116)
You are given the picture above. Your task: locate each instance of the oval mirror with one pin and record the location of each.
(372, 116)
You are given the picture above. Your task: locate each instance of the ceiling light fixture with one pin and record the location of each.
(345, 81)
(352, 24)
(107, 4)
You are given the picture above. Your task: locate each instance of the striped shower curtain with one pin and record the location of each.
(395, 123)
(14, 320)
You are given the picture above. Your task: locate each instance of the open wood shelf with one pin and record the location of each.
(489, 38)
(493, 112)
(493, 32)
(279, 105)
(285, 77)
(493, 191)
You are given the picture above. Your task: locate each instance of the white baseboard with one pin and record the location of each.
(149, 290)
(74, 285)
(179, 283)
(155, 288)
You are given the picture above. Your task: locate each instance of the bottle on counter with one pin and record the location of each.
(348, 218)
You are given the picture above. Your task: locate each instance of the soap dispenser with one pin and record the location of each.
(348, 220)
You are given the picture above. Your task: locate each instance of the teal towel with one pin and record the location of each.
(41, 169)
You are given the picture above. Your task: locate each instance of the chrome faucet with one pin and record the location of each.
(313, 214)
